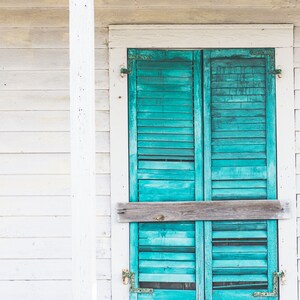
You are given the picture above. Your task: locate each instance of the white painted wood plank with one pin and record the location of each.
(58, 17)
(119, 169)
(46, 206)
(44, 37)
(297, 99)
(45, 142)
(210, 36)
(45, 100)
(44, 59)
(297, 142)
(34, 17)
(83, 149)
(192, 15)
(297, 119)
(47, 226)
(44, 80)
(297, 78)
(297, 57)
(47, 290)
(286, 188)
(46, 269)
(45, 121)
(46, 185)
(45, 164)
(36, 290)
(147, 3)
(46, 248)
(297, 36)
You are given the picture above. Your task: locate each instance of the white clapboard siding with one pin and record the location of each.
(297, 57)
(297, 78)
(44, 59)
(47, 290)
(58, 17)
(44, 80)
(53, 226)
(43, 37)
(45, 142)
(45, 100)
(46, 205)
(46, 248)
(147, 3)
(45, 121)
(297, 99)
(46, 269)
(46, 185)
(45, 163)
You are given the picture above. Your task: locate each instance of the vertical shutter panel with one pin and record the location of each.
(240, 145)
(163, 147)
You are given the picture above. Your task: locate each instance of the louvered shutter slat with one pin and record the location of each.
(239, 157)
(163, 84)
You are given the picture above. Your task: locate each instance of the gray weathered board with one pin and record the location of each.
(201, 211)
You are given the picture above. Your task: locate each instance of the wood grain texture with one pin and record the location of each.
(45, 142)
(58, 17)
(146, 3)
(58, 290)
(46, 248)
(44, 37)
(206, 210)
(44, 59)
(46, 269)
(45, 100)
(46, 206)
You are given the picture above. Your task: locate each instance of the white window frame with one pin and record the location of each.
(280, 37)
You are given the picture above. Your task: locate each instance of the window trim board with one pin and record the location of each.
(280, 37)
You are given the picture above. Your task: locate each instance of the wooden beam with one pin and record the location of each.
(82, 90)
(202, 211)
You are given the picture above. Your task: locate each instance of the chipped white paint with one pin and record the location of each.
(82, 90)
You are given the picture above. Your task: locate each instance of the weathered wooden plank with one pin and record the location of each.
(44, 37)
(44, 80)
(46, 185)
(45, 121)
(46, 226)
(58, 17)
(45, 142)
(46, 269)
(147, 3)
(47, 289)
(191, 15)
(206, 210)
(46, 248)
(44, 59)
(297, 36)
(46, 206)
(54, 163)
(45, 100)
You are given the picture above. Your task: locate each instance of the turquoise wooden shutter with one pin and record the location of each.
(184, 150)
(240, 163)
(165, 165)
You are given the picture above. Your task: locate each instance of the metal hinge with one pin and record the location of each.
(277, 72)
(124, 71)
(129, 278)
(274, 293)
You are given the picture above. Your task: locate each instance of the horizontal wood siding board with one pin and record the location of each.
(58, 17)
(206, 210)
(146, 3)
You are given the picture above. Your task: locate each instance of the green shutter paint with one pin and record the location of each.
(202, 126)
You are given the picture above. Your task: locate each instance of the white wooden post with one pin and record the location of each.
(82, 91)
